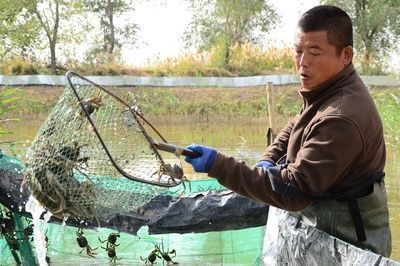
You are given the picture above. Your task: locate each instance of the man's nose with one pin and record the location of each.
(304, 60)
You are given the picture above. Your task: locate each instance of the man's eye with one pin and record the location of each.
(315, 52)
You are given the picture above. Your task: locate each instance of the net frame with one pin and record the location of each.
(154, 144)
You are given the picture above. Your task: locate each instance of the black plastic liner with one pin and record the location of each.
(201, 212)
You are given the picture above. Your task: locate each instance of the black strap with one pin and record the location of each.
(357, 220)
(290, 191)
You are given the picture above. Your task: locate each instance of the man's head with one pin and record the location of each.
(323, 44)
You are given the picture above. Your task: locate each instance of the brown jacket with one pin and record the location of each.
(333, 144)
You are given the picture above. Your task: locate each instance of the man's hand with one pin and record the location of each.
(265, 164)
(202, 163)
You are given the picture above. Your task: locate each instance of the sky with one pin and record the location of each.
(162, 27)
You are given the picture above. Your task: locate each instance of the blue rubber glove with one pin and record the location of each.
(202, 163)
(265, 164)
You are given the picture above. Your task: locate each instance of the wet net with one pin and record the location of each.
(92, 156)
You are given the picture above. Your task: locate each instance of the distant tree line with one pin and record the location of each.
(47, 30)
(376, 30)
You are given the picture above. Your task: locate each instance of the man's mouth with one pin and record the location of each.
(304, 76)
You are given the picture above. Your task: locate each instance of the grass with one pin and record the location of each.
(388, 104)
(177, 104)
(204, 104)
(197, 105)
(246, 60)
(8, 103)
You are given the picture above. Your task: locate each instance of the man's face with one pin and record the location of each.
(317, 60)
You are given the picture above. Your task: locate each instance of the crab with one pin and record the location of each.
(166, 255)
(151, 258)
(52, 182)
(112, 239)
(112, 254)
(91, 105)
(83, 243)
(175, 173)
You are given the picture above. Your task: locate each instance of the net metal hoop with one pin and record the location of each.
(70, 75)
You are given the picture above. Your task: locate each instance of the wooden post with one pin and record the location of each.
(270, 135)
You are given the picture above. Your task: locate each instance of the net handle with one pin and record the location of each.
(177, 150)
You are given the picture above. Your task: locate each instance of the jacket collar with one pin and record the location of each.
(333, 83)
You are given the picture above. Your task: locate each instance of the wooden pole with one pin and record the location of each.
(271, 132)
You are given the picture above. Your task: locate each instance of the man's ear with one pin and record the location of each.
(347, 55)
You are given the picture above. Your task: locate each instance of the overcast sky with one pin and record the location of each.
(163, 26)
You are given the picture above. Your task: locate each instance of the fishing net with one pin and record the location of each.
(93, 157)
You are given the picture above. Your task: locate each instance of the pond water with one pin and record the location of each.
(242, 140)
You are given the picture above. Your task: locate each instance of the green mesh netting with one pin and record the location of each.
(237, 247)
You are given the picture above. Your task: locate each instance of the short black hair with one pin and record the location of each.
(335, 21)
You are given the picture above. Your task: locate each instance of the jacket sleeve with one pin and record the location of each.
(327, 153)
(251, 182)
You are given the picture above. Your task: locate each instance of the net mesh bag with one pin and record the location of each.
(92, 156)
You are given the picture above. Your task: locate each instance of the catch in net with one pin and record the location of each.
(93, 156)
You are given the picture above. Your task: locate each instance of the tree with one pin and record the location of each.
(29, 21)
(376, 29)
(113, 36)
(18, 32)
(54, 17)
(49, 19)
(228, 22)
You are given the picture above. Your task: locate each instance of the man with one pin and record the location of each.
(331, 176)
